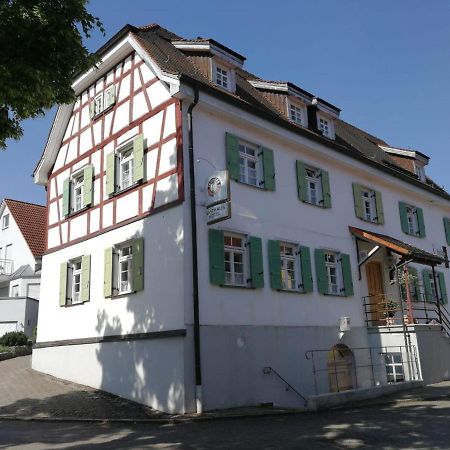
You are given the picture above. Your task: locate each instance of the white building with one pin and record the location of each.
(153, 304)
(22, 243)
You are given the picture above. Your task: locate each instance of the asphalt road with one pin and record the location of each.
(423, 424)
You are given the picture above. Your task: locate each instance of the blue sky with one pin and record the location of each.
(385, 63)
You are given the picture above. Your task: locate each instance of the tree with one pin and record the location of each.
(41, 50)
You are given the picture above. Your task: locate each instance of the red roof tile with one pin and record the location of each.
(32, 222)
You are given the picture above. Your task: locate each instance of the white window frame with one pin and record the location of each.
(121, 160)
(297, 113)
(99, 105)
(369, 205)
(334, 269)
(245, 159)
(398, 373)
(236, 255)
(330, 134)
(124, 258)
(420, 172)
(313, 177)
(222, 76)
(412, 219)
(14, 292)
(290, 267)
(77, 184)
(5, 222)
(75, 279)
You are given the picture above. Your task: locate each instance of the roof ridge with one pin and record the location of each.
(23, 202)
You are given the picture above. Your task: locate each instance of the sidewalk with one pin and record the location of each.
(29, 395)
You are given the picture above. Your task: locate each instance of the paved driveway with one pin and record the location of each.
(27, 393)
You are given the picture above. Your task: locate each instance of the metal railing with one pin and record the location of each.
(343, 368)
(384, 310)
(6, 266)
(268, 370)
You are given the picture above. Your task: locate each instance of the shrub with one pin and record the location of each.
(14, 338)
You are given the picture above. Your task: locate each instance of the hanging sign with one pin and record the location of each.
(218, 206)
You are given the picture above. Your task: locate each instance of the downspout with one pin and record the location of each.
(198, 368)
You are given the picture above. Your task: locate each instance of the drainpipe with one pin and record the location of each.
(198, 368)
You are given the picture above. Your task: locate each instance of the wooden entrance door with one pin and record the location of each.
(376, 292)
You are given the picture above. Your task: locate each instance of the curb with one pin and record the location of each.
(162, 420)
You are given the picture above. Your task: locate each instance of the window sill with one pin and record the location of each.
(76, 213)
(375, 222)
(101, 113)
(129, 188)
(121, 295)
(236, 286)
(291, 291)
(73, 304)
(259, 188)
(317, 205)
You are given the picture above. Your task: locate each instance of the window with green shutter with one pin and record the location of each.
(326, 193)
(412, 220)
(428, 285)
(368, 204)
(274, 264)
(321, 271)
(88, 182)
(138, 150)
(85, 278)
(413, 282)
(442, 288)
(63, 284)
(305, 267)
(66, 197)
(110, 173)
(250, 163)
(256, 262)
(216, 257)
(334, 273)
(74, 283)
(347, 279)
(447, 229)
(108, 272)
(313, 185)
(138, 265)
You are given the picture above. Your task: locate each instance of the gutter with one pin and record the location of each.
(197, 359)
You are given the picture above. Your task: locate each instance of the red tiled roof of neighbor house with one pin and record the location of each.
(32, 222)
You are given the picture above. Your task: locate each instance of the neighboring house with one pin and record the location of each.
(144, 299)
(22, 243)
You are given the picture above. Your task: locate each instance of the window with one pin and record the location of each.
(74, 282)
(126, 169)
(103, 101)
(332, 273)
(249, 164)
(289, 267)
(125, 166)
(15, 290)
(125, 255)
(314, 186)
(369, 205)
(222, 77)
(124, 268)
(77, 192)
(5, 221)
(420, 172)
(235, 260)
(8, 252)
(394, 367)
(98, 104)
(297, 114)
(413, 225)
(325, 127)
(433, 287)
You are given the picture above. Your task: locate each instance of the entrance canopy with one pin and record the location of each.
(406, 251)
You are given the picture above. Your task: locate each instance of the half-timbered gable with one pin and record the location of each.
(127, 108)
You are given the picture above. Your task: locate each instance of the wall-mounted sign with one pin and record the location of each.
(218, 206)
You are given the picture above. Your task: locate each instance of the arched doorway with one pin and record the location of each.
(340, 364)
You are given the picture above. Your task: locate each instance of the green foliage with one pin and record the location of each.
(3, 349)
(42, 50)
(14, 338)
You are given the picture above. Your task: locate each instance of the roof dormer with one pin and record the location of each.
(216, 61)
(322, 116)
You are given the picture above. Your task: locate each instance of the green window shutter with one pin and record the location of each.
(138, 265)
(88, 177)
(108, 273)
(110, 173)
(110, 96)
(301, 181)
(421, 222)
(427, 285)
(85, 277)
(138, 152)
(347, 275)
(66, 197)
(443, 288)
(447, 229)
(256, 262)
(63, 285)
(305, 265)
(216, 257)
(325, 188)
(321, 271)
(232, 145)
(379, 207)
(403, 217)
(269, 169)
(274, 264)
(415, 282)
(357, 199)
(91, 109)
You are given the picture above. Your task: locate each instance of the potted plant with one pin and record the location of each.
(390, 308)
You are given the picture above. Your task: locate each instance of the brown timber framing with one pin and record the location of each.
(113, 338)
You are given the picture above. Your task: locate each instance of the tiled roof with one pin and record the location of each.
(32, 222)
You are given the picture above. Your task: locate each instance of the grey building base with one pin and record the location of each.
(336, 399)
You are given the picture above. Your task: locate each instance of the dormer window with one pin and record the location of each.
(324, 127)
(222, 77)
(420, 172)
(297, 114)
(102, 101)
